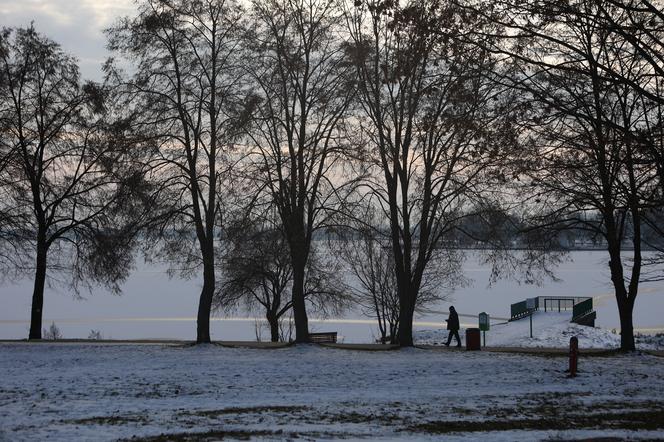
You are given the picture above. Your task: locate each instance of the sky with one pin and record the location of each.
(76, 24)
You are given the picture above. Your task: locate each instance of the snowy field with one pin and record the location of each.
(64, 392)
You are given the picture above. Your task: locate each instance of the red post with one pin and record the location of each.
(573, 355)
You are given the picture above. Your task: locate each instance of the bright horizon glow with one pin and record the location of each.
(229, 319)
(646, 330)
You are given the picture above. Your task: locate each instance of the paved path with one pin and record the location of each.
(253, 344)
(363, 347)
(170, 342)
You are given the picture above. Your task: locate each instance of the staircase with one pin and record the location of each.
(582, 308)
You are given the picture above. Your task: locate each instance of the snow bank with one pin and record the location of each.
(550, 329)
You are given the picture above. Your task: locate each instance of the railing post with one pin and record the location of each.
(531, 324)
(573, 356)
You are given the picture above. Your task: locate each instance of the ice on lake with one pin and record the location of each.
(154, 306)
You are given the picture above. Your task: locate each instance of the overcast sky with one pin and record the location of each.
(76, 24)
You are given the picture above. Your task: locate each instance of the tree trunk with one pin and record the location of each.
(625, 306)
(394, 331)
(274, 326)
(38, 291)
(406, 312)
(625, 309)
(299, 307)
(406, 328)
(382, 328)
(205, 302)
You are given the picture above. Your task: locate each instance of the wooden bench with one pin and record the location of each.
(323, 338)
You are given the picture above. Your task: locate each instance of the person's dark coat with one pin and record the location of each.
(453, 320)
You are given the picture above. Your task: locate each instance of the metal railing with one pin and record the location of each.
(561, 304)
(519, 310)
(580, 306)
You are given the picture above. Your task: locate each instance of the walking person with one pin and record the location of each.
(453, 327)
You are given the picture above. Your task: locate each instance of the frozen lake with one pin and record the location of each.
(154, 306)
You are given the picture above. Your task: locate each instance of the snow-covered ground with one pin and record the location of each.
(550, 329)
(65, 392)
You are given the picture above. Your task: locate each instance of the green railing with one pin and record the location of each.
(519, 309)
(582, 308)
(551, 303)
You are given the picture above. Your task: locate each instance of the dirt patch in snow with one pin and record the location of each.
(550, 411)
(214, 435)
(245, 410)
(106, 420)
(615, 421)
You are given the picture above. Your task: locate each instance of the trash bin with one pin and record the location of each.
(473, 339)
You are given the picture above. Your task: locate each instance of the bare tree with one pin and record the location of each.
(53, 333)
(302, 91)
(258, 275)
(583, 166)
(435, 127)
(372, 265)
(61, 177)
(184, 94)
(366, 250)
(12, 256)
(639, 24)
